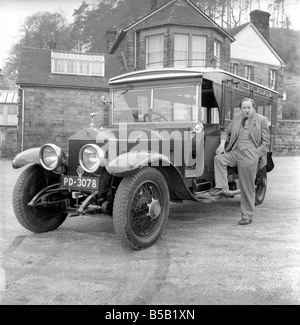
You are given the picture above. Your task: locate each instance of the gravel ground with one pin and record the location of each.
(203, 258)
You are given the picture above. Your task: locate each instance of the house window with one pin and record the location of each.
(154, 51)
(181, 50)
(234, 68)
(249, 72)
(78, 64)
(198, 51)
(189, 50)
(272, 79)
(217, 55)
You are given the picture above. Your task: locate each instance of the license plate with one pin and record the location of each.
(90, 183)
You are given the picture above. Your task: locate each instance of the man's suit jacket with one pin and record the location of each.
(258, 130)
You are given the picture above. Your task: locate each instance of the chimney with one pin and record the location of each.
(111, 37)
(261, 20)
(155, 4)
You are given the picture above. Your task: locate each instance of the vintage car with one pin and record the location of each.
(159, 148)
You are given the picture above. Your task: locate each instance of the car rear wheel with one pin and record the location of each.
(141, 208)
(35, 219)
(261, 186)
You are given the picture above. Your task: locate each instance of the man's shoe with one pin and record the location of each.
(244, 222)
(216, 191)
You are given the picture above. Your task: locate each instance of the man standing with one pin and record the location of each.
(249, 140)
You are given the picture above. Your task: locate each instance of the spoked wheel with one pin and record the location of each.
(141, 208)
(261, 186)
(29, 183)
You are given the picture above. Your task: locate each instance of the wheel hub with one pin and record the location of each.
(154, 209)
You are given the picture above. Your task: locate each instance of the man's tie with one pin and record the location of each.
(244, 121)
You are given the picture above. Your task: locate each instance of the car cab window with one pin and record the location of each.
(158, 104)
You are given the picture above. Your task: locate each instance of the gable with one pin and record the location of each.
(250, 45)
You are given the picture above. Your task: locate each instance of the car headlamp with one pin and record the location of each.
(51, 156)
(91, 157)
(198, 128)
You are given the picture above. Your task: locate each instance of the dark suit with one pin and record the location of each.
(245, 148)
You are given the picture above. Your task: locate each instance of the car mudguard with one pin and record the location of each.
(26, 157)
(129, 162)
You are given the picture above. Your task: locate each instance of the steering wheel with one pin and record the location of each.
(148, 117)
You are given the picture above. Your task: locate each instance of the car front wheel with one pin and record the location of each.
(141, 208)
(36, 219)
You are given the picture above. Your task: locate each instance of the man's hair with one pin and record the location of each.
(247, 99)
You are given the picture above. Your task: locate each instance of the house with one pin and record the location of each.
(59, 91)
(176, 33)
(253, 56)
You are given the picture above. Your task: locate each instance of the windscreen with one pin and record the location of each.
(159, 105)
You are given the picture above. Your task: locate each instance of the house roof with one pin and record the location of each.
(236, 30)
(8, 97)
(175, 12)
(35, 69)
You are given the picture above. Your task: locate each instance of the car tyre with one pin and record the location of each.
(261, 186)
(38, 220)
(141, 208)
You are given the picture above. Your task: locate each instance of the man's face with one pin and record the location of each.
(247, 109)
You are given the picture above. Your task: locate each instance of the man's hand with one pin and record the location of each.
(220, 149)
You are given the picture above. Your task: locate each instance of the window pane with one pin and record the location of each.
(154, 57)
(217, 55)
(71, 66)
(181, 50)
(59, 65)
(177, 104)
(131, 106)
(84, 67)
(198, 51)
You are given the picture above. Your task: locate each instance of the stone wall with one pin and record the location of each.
(8, 141)
(287, 141)
(54, 114)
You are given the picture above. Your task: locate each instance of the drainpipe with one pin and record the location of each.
(22, 122)
(135, 50)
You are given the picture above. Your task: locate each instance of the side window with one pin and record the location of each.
(210, 115)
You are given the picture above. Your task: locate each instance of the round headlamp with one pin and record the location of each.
(91, 157)
(51, 156)
(198, 128)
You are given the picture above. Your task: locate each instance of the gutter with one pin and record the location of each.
(22, 122)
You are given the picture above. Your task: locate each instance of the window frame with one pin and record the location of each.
(77, 64)
(249, 72)
(217, 53)
(158, 64)
(272, 78)
(191, 53)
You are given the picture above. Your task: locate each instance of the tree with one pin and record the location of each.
(80, 16)
(40, 30)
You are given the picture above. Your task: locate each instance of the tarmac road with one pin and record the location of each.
(203, 258)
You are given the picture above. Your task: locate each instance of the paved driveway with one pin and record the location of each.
(203, 257)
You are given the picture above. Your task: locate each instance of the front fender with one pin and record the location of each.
(127, 163)
(130, 161)
(26, 157)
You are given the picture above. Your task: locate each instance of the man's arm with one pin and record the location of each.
(223, 138)
(265, 138)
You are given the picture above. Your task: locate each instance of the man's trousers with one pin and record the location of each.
(247, 163)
